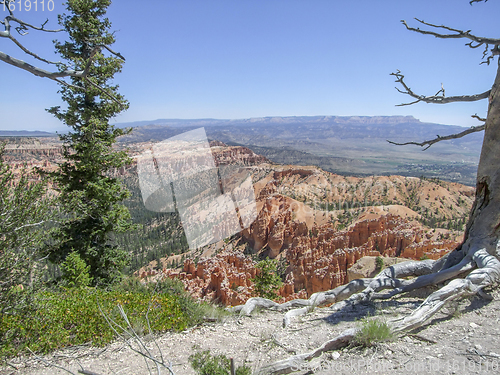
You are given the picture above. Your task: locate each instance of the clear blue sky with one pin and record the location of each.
(251, 58)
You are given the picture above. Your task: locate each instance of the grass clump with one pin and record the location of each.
(371, 332)
(205, 363)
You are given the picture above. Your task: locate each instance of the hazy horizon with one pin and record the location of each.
(159, 120)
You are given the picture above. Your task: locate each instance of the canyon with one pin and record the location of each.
(316, 224)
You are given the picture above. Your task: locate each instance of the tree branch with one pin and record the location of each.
(22, 29)
(438, 98)
(476, 1)
(472, 129)
(39, 71)
(460, 34)
(478, 118)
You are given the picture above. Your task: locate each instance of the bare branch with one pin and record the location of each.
(22, 29)
(87, 372)
(8, 34)
(55, 75)
(478, 118)
(460, 34)
(438, 98)
(24, 26)
(48, 363)
(472, 129)
(39, 71)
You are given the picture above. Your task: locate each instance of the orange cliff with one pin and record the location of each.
(317, 259)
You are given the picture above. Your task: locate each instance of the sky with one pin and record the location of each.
(235, 59)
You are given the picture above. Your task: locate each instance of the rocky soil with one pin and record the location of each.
(462, 340)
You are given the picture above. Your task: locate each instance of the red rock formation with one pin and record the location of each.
(225, 278)
(318, 259)
(320, 263)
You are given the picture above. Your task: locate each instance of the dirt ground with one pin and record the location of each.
(463, 340)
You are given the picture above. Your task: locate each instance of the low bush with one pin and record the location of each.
(73, 316)
(205, 363)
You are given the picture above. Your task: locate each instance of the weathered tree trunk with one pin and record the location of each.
(484, 222)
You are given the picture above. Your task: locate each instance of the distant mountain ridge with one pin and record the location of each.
(25, 133)
(275, 120)
(349, 145)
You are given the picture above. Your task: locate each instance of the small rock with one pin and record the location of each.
(473, 325)
(478, 347)
(335, 355)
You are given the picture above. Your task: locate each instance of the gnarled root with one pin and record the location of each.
(351, 293)
(294, 363)
(303, 305)
(487, 274)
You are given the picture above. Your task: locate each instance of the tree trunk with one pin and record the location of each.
(482, 230)
(483, 226)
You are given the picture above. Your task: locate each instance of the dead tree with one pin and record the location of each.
(467, 270)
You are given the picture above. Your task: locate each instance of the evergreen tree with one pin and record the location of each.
(90, 196)
(75, 273)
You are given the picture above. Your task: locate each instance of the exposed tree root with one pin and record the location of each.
(487, 274)
(294, 363)
(303, 305)
(349, 295)
(360, 289)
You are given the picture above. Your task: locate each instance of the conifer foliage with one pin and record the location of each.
(89, 195)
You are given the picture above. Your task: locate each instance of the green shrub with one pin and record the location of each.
(25, 213)
(205, 363)
(267, 282)
(379, 262)
(371, 332)
(73, 316)
(130, 284)
(75, 272)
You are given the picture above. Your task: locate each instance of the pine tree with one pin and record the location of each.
(89, 195)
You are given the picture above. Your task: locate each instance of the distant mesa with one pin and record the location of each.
(25, 133)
